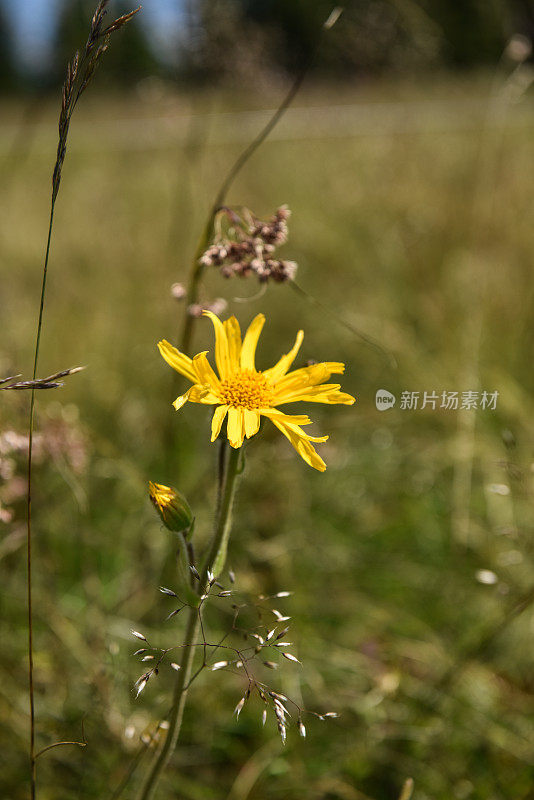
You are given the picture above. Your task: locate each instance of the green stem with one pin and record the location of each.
(228, 472)
(29, 586)
(217, 555)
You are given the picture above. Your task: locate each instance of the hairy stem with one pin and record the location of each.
(228, 473)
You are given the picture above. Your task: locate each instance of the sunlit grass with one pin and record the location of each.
(391, 233)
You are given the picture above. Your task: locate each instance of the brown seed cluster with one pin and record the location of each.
(245, 245)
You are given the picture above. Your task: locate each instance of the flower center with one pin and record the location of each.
(246, 389)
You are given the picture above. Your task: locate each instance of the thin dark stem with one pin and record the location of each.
(213, 562)
(33, 757)
(58, 744)
(484, 644)
(75, 83)
(136, 761)
(197, 268)
(368, 340)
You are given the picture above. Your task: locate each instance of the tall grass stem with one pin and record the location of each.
(31, 688)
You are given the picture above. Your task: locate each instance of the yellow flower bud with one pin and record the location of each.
(172, 507)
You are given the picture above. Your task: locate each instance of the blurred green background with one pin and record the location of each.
(410, 559)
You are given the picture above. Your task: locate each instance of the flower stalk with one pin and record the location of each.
(229, 470)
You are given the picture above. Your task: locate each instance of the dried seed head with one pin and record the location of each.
(519, 48)
(239, 707)
(175, 666)
(302, 729)
(280, 617)
(169, 592)
(271, 664)
(263, 716)
(217, 306)
(195, 310)
(247, 244)
(174, 613)
(278, 696)
(333, 17)
(283, 733)
(280, 710)
(291, 657)
(178, 291)
(219, 665)
(138, 635)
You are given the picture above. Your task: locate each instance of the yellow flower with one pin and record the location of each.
(245, 393)
(172, 507)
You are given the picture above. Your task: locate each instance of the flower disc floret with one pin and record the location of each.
(246, 389)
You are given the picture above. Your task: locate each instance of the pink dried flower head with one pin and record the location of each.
(245, 245)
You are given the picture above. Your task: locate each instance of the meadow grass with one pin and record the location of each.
(414, 226)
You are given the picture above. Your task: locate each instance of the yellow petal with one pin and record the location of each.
(233, 335)
(248, 349)
(182, 400)
(252, 422)
(196, 394)
(302, 445)
(308, 376)
(295, 419)
(281, 367)
(324, 393)
(293, 422)
(204, 371)
(235, 426)
(222, 358)
(178, 361)
(217, 421)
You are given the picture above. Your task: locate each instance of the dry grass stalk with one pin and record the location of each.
(50, 382)
(78, 77)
